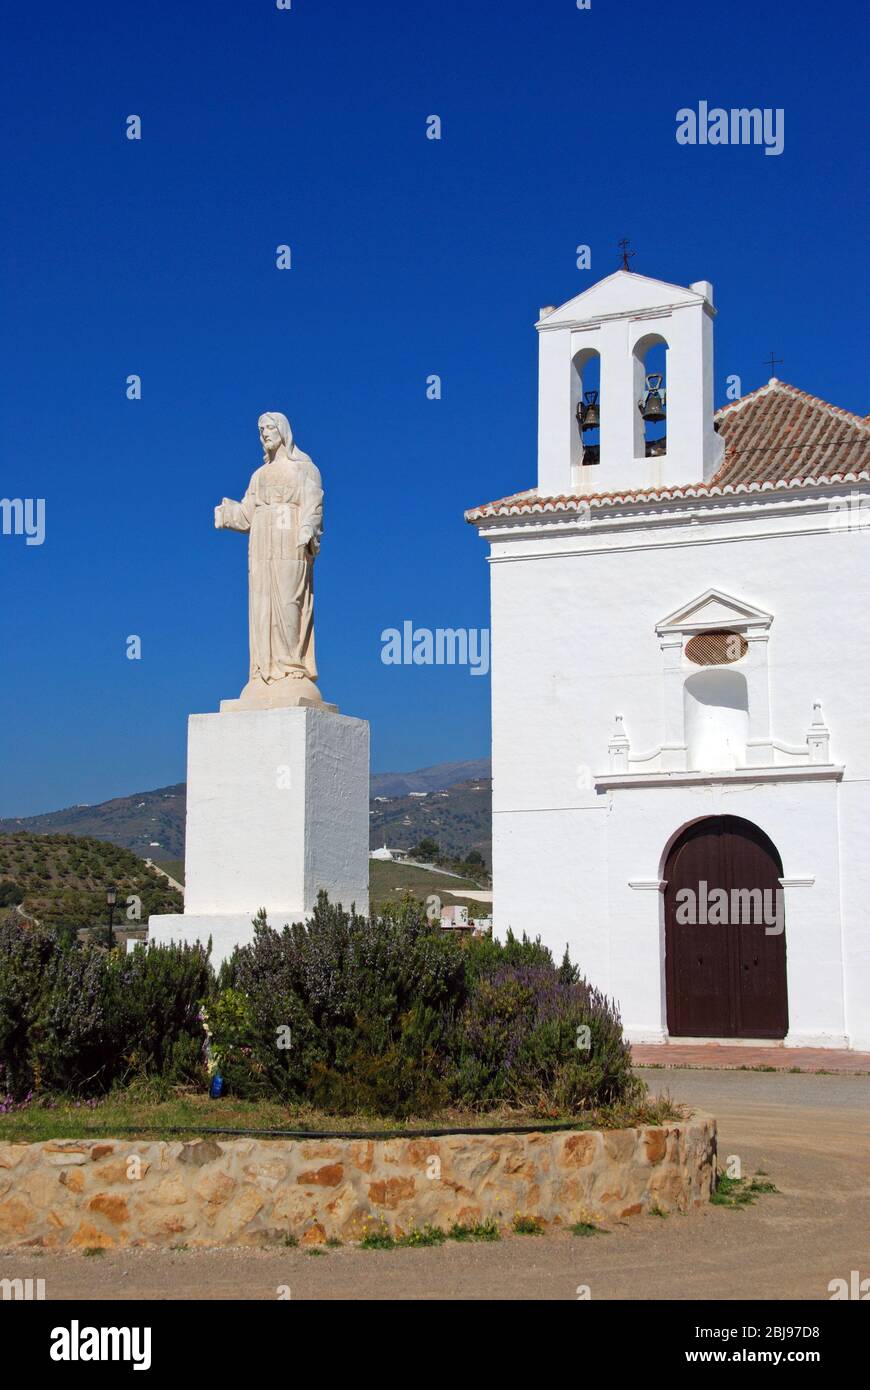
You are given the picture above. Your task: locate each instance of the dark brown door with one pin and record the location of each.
(725, 933)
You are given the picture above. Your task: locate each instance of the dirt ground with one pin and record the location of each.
(811, 1134)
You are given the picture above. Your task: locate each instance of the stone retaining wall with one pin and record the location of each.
(105, 1193)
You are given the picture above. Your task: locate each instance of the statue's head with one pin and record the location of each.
(274, 431)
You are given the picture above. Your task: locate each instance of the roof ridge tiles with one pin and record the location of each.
(531, 502)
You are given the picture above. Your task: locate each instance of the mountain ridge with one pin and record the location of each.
(152, 823)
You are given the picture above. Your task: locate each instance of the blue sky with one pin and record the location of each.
(410, 257)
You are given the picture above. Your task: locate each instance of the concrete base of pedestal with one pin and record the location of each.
(225, 932)
(277, 809)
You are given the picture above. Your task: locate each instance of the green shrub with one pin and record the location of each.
(484, 955)
(74, 1047)
(384, 1015)
(153, 1003)
(389, 1016)
(26, 956)
(11, 892)
(111, 1016)
(83, 1019)
(352, 1014)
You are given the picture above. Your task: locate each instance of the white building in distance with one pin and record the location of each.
(681, 683)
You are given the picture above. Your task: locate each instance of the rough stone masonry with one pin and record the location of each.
(107, 1193)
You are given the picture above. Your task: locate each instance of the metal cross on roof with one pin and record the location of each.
(626, 254)
(773, 362)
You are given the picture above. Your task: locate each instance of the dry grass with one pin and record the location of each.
(134, 1113)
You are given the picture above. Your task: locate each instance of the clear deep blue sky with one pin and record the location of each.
(410, 257)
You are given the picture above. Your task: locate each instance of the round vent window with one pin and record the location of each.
(716, 648)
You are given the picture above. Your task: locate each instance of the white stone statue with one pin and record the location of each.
(283, 511)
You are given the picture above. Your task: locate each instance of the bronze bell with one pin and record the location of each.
(591, 414)
(652, 407)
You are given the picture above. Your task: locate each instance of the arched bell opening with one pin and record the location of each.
(586, 406)
(650, 392)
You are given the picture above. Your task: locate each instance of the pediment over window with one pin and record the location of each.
(715, 609)
(716, 706)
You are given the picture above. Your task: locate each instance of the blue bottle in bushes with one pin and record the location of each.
(216, 1089)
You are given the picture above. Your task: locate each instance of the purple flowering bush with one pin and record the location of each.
(531, 1036)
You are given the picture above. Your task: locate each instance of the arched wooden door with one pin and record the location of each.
(725, 951)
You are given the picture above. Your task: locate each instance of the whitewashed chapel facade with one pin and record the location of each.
(681, 683)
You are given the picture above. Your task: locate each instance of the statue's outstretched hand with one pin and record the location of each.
(219, 517)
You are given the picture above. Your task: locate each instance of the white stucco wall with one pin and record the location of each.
(574, 615)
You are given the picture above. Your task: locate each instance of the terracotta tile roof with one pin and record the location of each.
(776, 437)
(778, 433)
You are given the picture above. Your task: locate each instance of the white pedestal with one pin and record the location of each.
(277, 809)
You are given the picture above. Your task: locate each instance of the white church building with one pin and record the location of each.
(681, 682)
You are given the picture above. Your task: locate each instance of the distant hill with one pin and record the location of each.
(61, 881)
(429, 779)
(458, 818)
(150, 823)
(456, 812)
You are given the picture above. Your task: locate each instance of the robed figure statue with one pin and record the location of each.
(283, 512)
